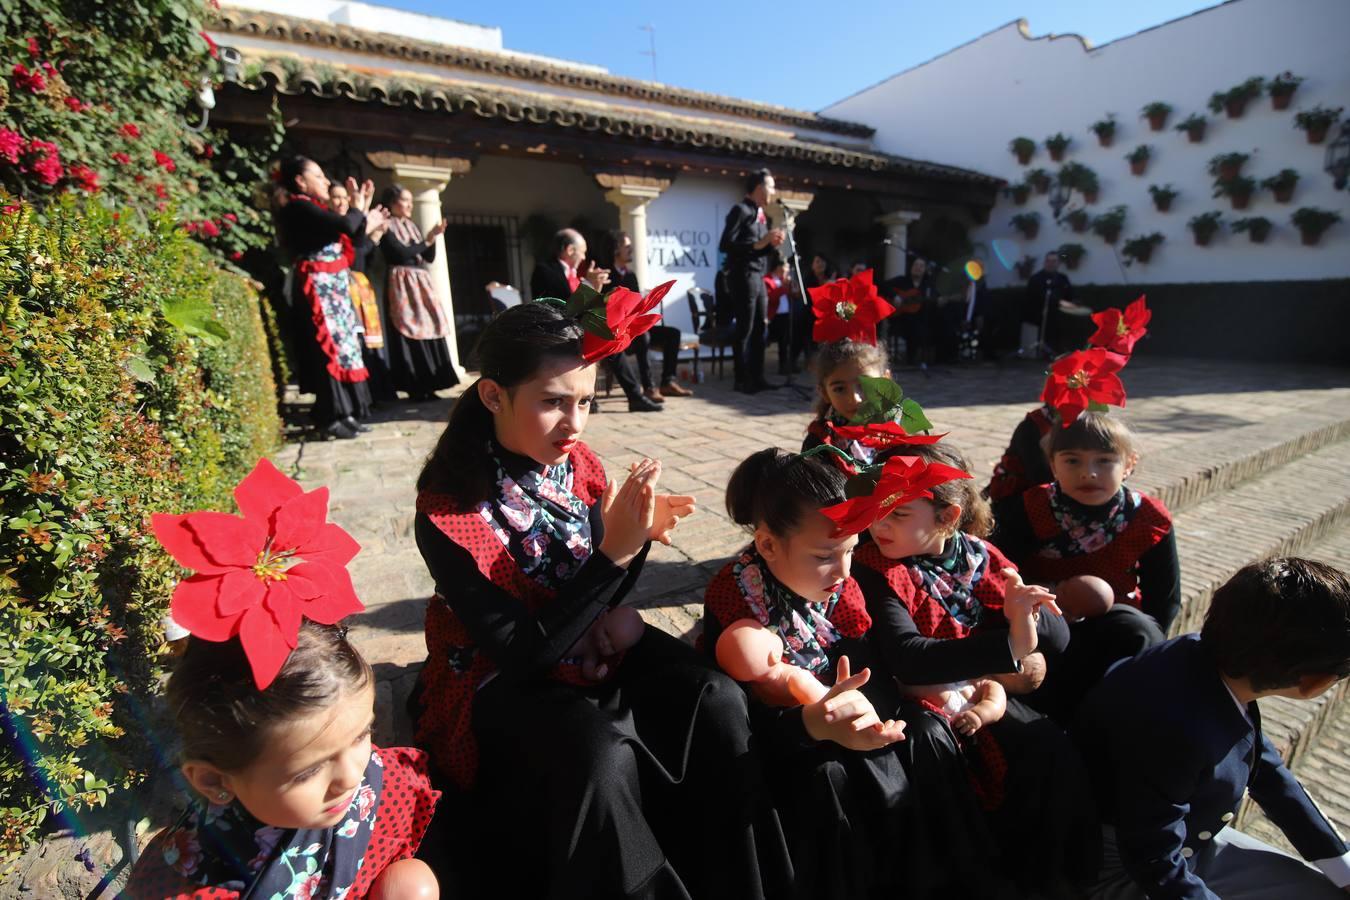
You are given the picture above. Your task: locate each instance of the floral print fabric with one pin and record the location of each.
(1087, 529)
(804, 627)
(950, 577)
(333, 293)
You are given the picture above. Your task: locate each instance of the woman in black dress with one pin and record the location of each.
(641, 783)
(419, 360)
(327, 341)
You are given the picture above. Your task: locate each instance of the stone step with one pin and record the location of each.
(1280, 512)
(1312, 737)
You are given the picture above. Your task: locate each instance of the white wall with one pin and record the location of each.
(963, 109)
(684, 226)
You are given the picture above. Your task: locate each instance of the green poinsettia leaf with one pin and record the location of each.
(583, 299)
(880, 397)
(1094, 406)
(593, 322)
(912, 417)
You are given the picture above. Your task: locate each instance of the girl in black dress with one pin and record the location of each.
(327, 342)
(641, 784)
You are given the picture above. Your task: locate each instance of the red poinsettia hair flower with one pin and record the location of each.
(883, 435)
(902, 479)
(1083, 380)
(628, 315)
(1117, 330)
(257, 575)
(848, 309)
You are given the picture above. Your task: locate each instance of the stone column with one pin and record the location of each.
(897, 232)
(631, 194)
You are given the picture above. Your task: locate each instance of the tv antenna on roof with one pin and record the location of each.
(651, 35)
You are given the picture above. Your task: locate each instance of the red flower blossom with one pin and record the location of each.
(85, 178)
(848, 309)
(209, 228)
(45, 162)
(1083, 379)
(29, 80)
(160, 191)
(33, 49)
(236, 256)
(259, 575)
(883, 435)
(627, 315)
(11, 144)
(130, 130)
(76, 105)
(230, 217)
(165, 161)
(121, 158)
(210, 45)
(1118, 331)
(138, 177)
(902, 480)
(208, 151)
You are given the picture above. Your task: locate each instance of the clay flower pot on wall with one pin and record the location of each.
(1281, 89)
(1105, 129)
(1140, 249)
(1282, 185)
(1057, 144)
(1078, 220)
(1312, 222)
(1072, 254)
(1316, 122)
(1256, 227)
(1238, 190)
(1156, 113)
(1028, 223)
(1138, 159)
(1233, 102)
(1163, 195)
(1194, 126)
(1110, 224)
(1227, 166)
(1023, 148)
(1204, 226)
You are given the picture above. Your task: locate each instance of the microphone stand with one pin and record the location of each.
(789, 224)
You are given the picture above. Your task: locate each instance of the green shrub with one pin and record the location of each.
(134, 378)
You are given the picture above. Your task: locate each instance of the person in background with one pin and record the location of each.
(778, 287)
(1045, 291)
(749, 245)
(353, 200)
(915, 309)
(559, 277)
(419, 358)
(666, 338)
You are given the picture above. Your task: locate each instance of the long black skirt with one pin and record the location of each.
(419, 367)
(646, 786)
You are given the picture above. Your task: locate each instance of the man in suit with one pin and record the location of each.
(559, 277)
(1044, 292)
(1173, 738)
(748, 243)
(663, 337)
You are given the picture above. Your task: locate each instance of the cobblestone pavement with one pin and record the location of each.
(1175, 405)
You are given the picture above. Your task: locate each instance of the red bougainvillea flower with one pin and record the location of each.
(165, 161)
(75, 104)
(11, 144)
(882, 435)
(209, 228)
(627, 315)
(902, 479)
(121, 158)
(1082, 380)
(160, 191)
(34, 50)
(848, 309)
(31, 81)
(1118, 331)
(130, 130)
(257, 576)
(45, 161)
(85, 178)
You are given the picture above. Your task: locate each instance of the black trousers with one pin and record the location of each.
(620, 367)
(750, 300)
(1094, 644)
(665, 339)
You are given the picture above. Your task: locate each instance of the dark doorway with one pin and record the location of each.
(479, 250)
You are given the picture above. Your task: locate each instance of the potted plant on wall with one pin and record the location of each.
(1023, 148)
(1317, 121)
(1311, 222)
(1156, 113)
(1281, 89)
(1256, 227)
(1109, 224)
(1057, 143)
(1140, 249)
(1138, 158)
(1163, 195)
(1238, 190)
(1072, 254)
(1026, 267)
(1234, 100)
(1194, 126)
(1078, 220)
(1227, 165)
(1018, 193)
(1205, 226)
(1282, 185)
(1039, 179)
(1028, 223)
(1079, 177)
(1105, 130)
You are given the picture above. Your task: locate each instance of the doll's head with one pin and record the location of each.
(292, 754)
(922, 527)
(534, 398)
(779, 495)
(1092, 457)
(838, 368)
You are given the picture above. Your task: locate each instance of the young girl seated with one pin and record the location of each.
(947, 608)
(1108, 549)
(838, 368)
(1024, 463)
(274, 709)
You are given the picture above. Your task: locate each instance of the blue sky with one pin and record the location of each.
(795, 53)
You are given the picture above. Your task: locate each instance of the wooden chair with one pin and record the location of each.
(703, 313)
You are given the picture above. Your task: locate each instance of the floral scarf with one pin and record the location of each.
(536, 516)
(1087, 529)
(950, 577)
(224, 847)
(805, 627)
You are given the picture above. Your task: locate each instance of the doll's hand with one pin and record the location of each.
(847, 717)
(967, 723)
(670, 509)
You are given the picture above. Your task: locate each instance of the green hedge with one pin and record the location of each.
(134, 377)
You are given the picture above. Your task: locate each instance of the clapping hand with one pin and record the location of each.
(436, 231)
(629, 512)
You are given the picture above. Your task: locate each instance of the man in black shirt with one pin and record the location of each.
(749, 243)
(1044, 292)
